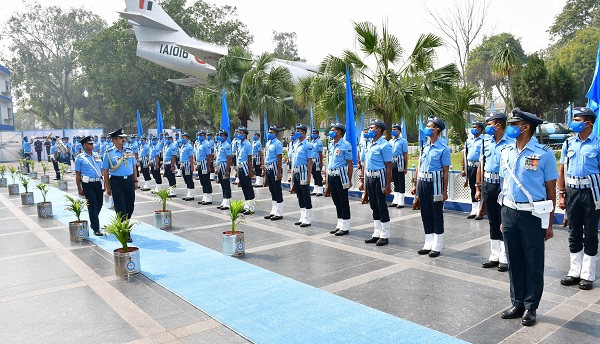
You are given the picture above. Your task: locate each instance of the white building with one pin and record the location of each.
(6, 107)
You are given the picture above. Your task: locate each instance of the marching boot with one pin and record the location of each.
(249, 207)
(400, 201)
(157, 188)
(437, 245)
(226, 204)
(278, 212)
(338, 226)
(273, 209)
(395, 201)
(588, 272)
(208, 199)
(221, 205)
(345, 229)
(302, 212)
(314, 191)
(494, 259)
(474, 210)
(481, 211)
(502, 260)
(319, 191)
(385, 234)
(428, 244)
(376, 232)
(307, 218)
(172, 192)
(574, 274)
(190, 195)
(203, 199)
(146, 185)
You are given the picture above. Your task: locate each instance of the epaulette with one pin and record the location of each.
(111, 148)
(547, 148)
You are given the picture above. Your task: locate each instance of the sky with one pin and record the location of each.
(325, 27)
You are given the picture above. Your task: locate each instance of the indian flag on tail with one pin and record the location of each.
(146, 4)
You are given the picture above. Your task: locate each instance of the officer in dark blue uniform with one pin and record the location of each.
(88, 174)
(528, 178)
(377, 173)
(120, 175)
(488, 186)
(272, 169)
(579, 193)
(432, 187)
(339, 176)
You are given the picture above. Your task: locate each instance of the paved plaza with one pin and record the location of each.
(55, 291)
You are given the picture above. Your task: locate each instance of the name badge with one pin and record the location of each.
(532, 162)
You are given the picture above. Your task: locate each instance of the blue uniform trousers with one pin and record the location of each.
(490, 192)
(274, 186)
(225, 185)
(340, 197)
(123, 193)
(93, 195)
(432, 213)
(583, 221)
(376, 198)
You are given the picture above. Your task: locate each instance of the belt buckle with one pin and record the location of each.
(125, 177)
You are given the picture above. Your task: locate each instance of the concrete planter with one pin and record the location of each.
(233, 244)
(62, 185)
(163, 219)
(127, 263)
(79, 231)
(44, 209)
(33, 175)
(45, 179)
(3, 182)
(27, 198)
(13, 189)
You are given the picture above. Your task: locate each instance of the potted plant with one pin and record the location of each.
(79, 229)
(32, 173)
(3, 180)
(233, 240)
(163, 218)
(127, 259)
(44, 178)
(62, 183)
(22, 165)
(44, 208)
(26, 197)
(13, 189)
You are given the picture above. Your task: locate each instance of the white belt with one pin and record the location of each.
(297, 168)
(337, 172)
(425, 175)
(269, 166)
(91, 180)
(517, 206)
(491, 175)
(577, 182)
(373, 173)
(167, 162)
(472, 163)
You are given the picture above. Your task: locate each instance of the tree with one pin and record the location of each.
(46, 74)
(576, 15)
(461, 26)
(531, 86)
(285, 46)
(505, 64)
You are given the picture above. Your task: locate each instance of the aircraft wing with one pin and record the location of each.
(209, 53)
(145, 20)
(189, 82)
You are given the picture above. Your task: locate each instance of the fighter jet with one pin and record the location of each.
(162, 41)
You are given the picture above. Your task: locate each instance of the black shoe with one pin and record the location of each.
(275, 218)
(382, 242)
(206, 203)
(298, 223)
(585, 285)
(334, 231)
(268, 217)
(490, 264)
(129, 240)
(97, 232)
(471, 217)
(423, 251)
(248, 212)
(502, 267)
(513, 312)
(319, 194)
(528, 318)
(224, 208)
(479, 218)
(219, 207)
(341, 232)
(188, 198)
(399, 206)
(372, 240)
(434, 254)
(570, 280)
(392, 205)
(305, 225)
(171, 196)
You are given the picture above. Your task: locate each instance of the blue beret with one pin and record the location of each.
(396, 126)
(518, 115)
(185, 134)
(496, 115)
(479, 124)
(168, 136)
(437, 121)
(200, 132)
(274, 127)
(243, 129)
(583, 111)
(223, 132)
(256, 133)
(378, 123)
(339, 126)
(301, 127)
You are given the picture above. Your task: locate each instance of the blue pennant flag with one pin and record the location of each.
(139, 124)
(569, 114)
(225, 115)
(422, 137)
(266, 127)
(492, 107)
(593, 94)
(403, 128)
(312, 125)
(159, 121)
(350, 112)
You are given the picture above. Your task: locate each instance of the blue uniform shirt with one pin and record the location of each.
(211, 143)
(256, 147)
(53, 150)
(144, 150)
(89, 166)
(126, 167)
(473, 147)
(544, 169)
(202, 150)
(26, 147)
(169, 151)
(272, 149)
(186, 152)
(301, 153)
(243, 150)
(583, 156)
(155, 152)
(339, 154)
(435, 157)
(223, 151)
(399, 147)
(135, 147)
(493, 152)
(377, 154)
(318, 147)
(234, 145)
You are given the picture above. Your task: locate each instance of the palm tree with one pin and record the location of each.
(505, 64)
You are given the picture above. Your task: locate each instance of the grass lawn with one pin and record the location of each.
(455, 161)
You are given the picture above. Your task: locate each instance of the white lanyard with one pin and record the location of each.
(93, 165)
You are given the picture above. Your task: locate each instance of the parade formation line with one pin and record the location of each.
(260, 305)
